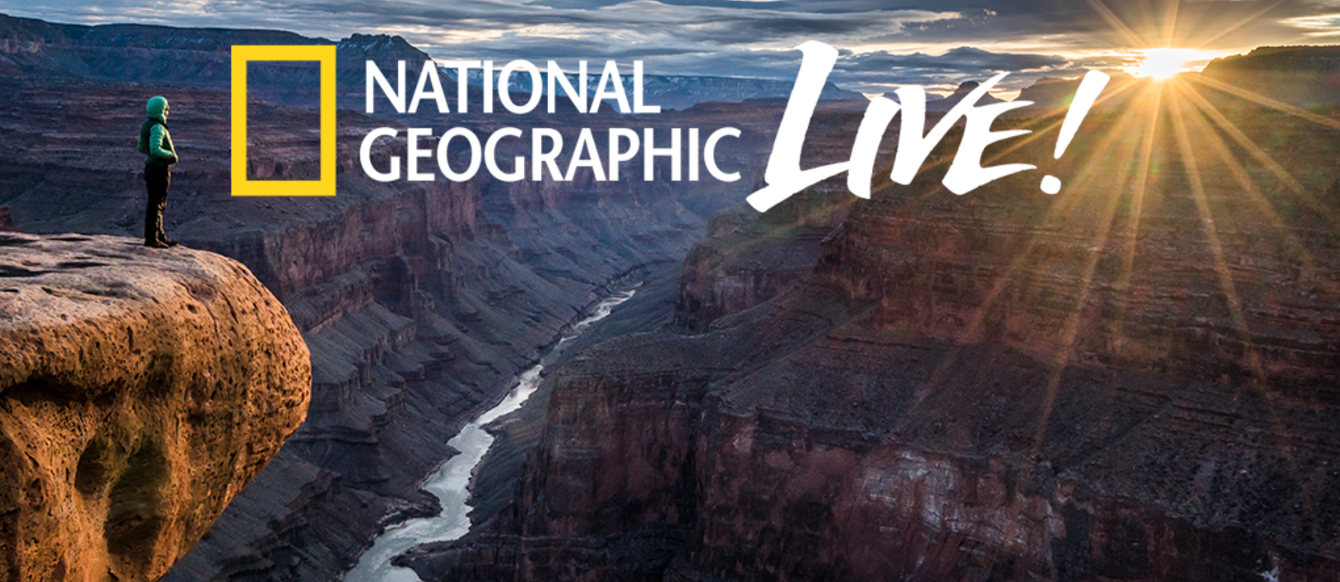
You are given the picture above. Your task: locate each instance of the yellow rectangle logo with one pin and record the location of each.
(241, 55)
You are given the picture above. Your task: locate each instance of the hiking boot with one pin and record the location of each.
(156, 244)
(172, 242)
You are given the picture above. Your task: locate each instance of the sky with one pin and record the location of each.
(884, 43)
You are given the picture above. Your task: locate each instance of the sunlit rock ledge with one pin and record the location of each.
(140, 391)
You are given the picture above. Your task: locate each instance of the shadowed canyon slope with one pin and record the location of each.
(1132, 380)
(141, 391)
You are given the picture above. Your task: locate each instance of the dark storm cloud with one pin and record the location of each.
(732, 25)
(963, 58)
(885, 43)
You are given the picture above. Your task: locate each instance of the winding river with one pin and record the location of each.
(449, 483)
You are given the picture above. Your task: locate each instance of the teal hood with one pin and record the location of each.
(156, 106)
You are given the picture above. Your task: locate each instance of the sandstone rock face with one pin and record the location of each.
(140, 391)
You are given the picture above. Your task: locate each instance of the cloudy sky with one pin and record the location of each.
(885, 43)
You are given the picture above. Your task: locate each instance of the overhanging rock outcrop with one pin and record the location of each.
(140, 391)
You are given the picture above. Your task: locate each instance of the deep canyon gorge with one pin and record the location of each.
(1131, 380)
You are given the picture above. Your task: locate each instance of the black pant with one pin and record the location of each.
(156, 179)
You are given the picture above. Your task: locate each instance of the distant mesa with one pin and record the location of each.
(683, 91)
(1056, 93)
(944, 105)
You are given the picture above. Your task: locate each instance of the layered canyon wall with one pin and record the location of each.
(1131, 380)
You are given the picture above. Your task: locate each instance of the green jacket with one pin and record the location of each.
(155, 141)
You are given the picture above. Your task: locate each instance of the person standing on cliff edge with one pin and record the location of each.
(156, 143)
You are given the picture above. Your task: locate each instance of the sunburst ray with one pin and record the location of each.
(1132, 237)
(1223, 31)
(1259, 380)
(1060, 360)
(1116, 23)
(1058, 208)
(1248, 185)
(1170, 22)
(1291, 184)
(1268, 102)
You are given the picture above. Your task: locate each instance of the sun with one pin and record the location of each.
(1163, 63)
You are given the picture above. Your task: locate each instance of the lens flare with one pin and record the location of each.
(1165, 62)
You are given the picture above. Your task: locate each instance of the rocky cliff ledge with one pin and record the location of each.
(140, 391)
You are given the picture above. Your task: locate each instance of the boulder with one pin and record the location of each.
(140, 391)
